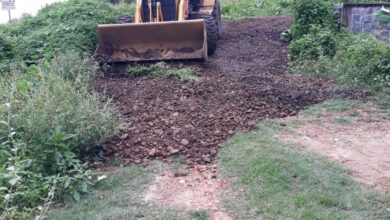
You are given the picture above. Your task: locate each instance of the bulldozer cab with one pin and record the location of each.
(161, 31)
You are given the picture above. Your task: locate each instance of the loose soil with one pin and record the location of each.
(246, 81)
(196, 189)
(362, 145)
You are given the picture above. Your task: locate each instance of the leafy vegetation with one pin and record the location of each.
(384, 16)
(162, 69)
(61, 27)
(320, 49)
(361, 62)
(7, 52)
(48, 120)
(279, 181)
(319, 42)
(309, 14)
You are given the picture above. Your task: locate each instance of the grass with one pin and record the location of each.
(332, 106)
(120, 197)
(162, 69)
(278, 181)
(236, 9)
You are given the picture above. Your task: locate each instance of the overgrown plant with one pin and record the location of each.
(47, 121)
(361, 62)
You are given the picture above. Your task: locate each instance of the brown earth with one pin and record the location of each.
(362, 145)
(197, 189)
(245, 82)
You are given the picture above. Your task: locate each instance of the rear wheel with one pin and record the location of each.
(212, 32)
(217, 16)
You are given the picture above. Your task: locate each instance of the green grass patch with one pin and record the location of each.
(162, 69)
(332, 106)
(280, 182)
(119, 197)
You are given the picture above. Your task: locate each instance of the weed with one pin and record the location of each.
(47, 123)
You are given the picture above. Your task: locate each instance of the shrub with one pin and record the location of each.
(361, 62)
(47, 121)
(308, 13)
(319, 42)
(7, 52)
(61, 27)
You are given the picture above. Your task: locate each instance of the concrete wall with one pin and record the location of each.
(361, 18)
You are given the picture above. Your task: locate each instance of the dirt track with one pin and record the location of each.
(245, 82)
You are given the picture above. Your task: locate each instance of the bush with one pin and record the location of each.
(7, 52)
(47, 121)
(309, 13)
(361, 62)
(61, 27)
(319, 42)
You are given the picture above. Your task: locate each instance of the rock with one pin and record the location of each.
(125, 136)
(152, 152)
(176, 131)
(184, 142)
(172, 150)
(159, 132)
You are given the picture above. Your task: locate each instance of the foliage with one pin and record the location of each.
(162, 69)
(318, 42)
(7, 52)
(361, 62)
(61, 27)
(279, 181)
(384, 16)
(309, 13)
(47, 121)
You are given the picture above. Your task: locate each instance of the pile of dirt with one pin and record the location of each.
(246, 81)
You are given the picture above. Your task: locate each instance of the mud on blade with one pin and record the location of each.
(152, 41)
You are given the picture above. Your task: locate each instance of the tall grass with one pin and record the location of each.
(235, 9)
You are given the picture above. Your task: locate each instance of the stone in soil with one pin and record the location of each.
(246, 81)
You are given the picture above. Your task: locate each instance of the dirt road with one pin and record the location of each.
(246, 81)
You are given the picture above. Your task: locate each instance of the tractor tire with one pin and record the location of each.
(212, 32)
(217, 16)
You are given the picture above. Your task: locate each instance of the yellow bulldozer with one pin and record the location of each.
(163, 30)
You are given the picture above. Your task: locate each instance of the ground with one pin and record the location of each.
(245, 82)
(243, 141)
(358, 138)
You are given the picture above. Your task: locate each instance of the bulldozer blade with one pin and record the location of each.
(171, 40)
